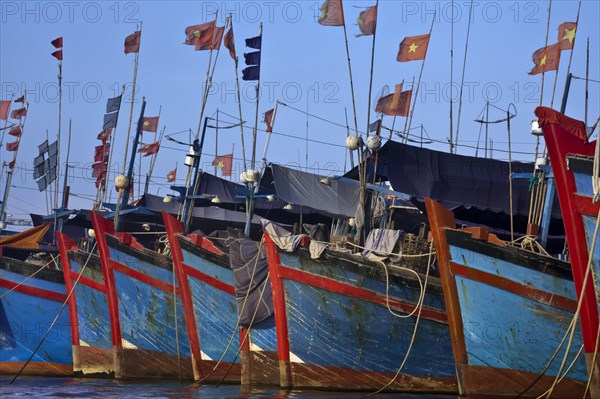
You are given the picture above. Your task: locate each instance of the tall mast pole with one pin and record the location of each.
(372, 66)
(254, 133)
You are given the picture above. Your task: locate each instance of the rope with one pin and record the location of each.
(56, 318)
(238, 322)
(589, 382)
(412, 340)
(579, 302)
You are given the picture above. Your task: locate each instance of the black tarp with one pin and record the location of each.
(336, 199)
(253, 294)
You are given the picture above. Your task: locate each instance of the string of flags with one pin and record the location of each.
(548, 58)
(58, 44)
(252, 70)
(16, 130)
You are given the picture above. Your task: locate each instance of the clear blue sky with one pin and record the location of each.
(303, 65)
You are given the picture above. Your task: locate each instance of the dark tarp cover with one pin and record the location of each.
(455, 180)
(338, 200)
(248, 260)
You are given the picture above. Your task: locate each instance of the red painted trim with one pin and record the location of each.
(283, 341)
(174, 228)
(64, 243)
(128, 239)
(534, 294)
(204, 243)
(142, 277)
(585, 205)
(213, 282)
(88, 282)
(332, 285)
(102, 227)
(33, 291)
(560, 143)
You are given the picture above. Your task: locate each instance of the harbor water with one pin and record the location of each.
(48, 388)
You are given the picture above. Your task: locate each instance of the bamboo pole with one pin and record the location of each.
(351, 80)
(462, 81)
(451, 77)
(239, 101)
(418, 83)
(570, 56)
(112, 140)
(5, 125)
(372, 66)
(254, 133)
(153, 160)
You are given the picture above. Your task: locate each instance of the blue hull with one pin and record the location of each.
(26, 313)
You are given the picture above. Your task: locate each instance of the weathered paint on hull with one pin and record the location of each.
(336, 332)
(26, 313)
(571, 155)
(93, 354)
(212, 311)
(510, 308)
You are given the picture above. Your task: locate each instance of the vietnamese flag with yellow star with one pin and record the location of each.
(150, 124)
(367, 22)
(413, 48)
(566, 35)
(149, 149)
(199, 35)
(132, 42)
(225, 163)
(546, 59)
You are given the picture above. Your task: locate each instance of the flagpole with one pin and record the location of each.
(372, 65)
(10, 171)
(153, 161)
(451, 76)
(574, 39)
(393, 120)
(112, 140)
(217, 139)
(209, 76)
(351, 80)
(544, 73)
(65, 196)
(254, 133)
(412, 87)
(347, 135)
(406, 132)
(58, 139)
(462, 81)
(48, 190)
(239, 98)
(135, 70)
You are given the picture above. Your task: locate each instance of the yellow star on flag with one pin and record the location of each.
(569, 35)
(221, 164)
(146, 123)
(412, 48)
(197, 33)
(543, 61)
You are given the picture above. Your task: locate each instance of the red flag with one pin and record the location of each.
(58, 42)
(12, 146)
(20, 99)
(332, 13)
(268, 119)
(546, 59)
(225, 163)
(4, 106)
(172, 175)
(16, 131)
(58, 55)
(149, 149)
(132, 42)
(367, 21)
(395, 104)
(11, 164)
(99, 166)
(104, 135)
(229, 43)
(566, 35)
(101, 152)
(215, 44)
(198, 35)
(413, 48)
(150, 124)
(18, 113)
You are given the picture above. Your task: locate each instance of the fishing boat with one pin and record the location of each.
(35, 338)
(88, 309)
(508, 308)
(573, 159)
(149, 336)
(348, 321)
(229, 296)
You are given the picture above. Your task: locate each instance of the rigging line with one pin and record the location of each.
(320, 118)
(57, 316)
(462, 81)
(588, 79)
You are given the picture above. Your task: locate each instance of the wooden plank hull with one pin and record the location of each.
(243, 355)
(510, 309)
(26, 313)
(335, 330)
(571, 157)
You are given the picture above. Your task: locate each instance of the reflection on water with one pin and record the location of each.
(49, 388)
